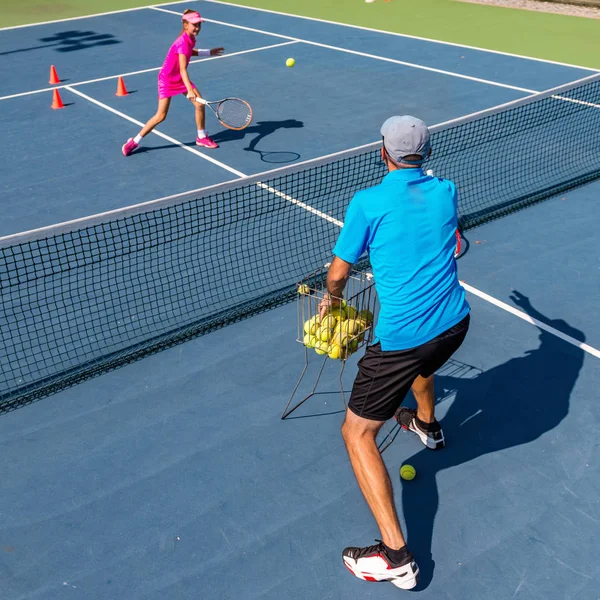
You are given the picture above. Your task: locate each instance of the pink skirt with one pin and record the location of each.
(169, 87)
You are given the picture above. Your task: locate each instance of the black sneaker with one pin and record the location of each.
(432, 437)
(372, 563)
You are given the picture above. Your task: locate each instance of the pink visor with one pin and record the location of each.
(192, 17)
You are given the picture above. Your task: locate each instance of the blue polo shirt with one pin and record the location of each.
(407, 224)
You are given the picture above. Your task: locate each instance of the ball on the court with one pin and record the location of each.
(407, 472)
(290, 62)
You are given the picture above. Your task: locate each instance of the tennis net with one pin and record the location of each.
(84, 297)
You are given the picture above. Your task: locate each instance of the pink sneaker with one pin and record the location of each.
(129, 147)
(206, 142)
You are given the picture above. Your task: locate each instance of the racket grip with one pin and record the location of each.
(200, 100)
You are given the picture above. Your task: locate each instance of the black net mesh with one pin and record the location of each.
(80, 302)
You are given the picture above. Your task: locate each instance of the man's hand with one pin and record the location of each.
(327, 303)
(217, 51)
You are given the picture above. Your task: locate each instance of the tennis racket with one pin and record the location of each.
(232, 113)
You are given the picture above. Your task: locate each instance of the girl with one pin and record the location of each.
(173, 79)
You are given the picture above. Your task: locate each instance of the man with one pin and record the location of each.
(407, 224)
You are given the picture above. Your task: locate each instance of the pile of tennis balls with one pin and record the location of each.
(339, 333)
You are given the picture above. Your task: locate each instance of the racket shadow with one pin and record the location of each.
(259, 129)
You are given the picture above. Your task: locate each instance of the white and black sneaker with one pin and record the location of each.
(430, 434)
(373, 563)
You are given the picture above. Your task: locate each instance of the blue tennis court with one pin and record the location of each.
(174, 476)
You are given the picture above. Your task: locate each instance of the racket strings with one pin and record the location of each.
(234, 113)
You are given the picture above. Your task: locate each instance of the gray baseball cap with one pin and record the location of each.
(405, 135)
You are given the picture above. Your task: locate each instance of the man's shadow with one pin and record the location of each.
(262, 129)
(71, 41)
(509, 405)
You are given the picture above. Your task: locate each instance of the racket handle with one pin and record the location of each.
(200, 100)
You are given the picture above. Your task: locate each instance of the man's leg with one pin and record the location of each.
(422, 419)
(424, 393)
(389, 560)
(433, 355)
(373, 479)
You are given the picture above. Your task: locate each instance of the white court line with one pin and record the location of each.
(366, 55)
(109, 77)
(585, 347)
(158, 133)
(402, 35)
(210, 159)
(574, 101)
(306, 207)
(522, 315)
(393, 33)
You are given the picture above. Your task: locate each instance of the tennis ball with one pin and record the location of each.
(309, 340)
(329, 322)
(350, 326)
(340, 339)
(290, 62)
(351, 312)
(304, 289)
(311, 325)
(321, 348)
(324, 334)
(407, 472)
(353, 346)
(335, 352)
(339, 313)
(367, 315)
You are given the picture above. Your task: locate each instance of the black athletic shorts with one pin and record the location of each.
(384, 378)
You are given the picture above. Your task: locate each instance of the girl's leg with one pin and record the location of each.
(159, 117)
(203, 138)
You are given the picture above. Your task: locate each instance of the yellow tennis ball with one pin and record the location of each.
(311, 325)
(367, 315)
(290, 62)
(339, 313)
(324, 334)
(309, 340)
(350, 326)
(329, 321)
(335, 352)
(303, 289)
(351, 312)
(321, 348)
(407, 472)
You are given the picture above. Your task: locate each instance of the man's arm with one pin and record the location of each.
(337, 276)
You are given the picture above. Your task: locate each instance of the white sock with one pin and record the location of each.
(137, 139)
(202, 133)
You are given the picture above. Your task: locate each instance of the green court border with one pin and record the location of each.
(572, 40)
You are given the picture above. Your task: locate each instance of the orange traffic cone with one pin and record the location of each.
(54, 79)
(121, 89)
(57, 100)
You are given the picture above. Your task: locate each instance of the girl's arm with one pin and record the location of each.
(211, 52)
(186, 79)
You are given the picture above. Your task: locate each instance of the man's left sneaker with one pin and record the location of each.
(372, 563)
(432, 437)
(206, 142)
